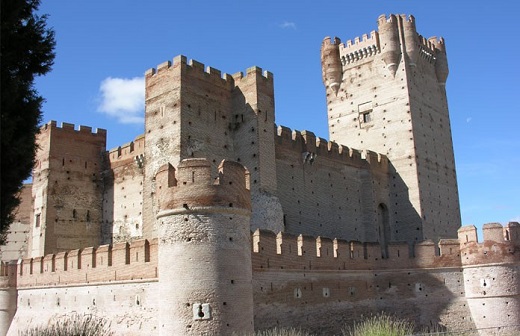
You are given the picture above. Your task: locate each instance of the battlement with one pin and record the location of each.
(359, 48)
(194, 185)
(500, 244)
(106, 263)
(208, 72)
(286, 251)
(127, 151)
(309, 143)
(67, 127)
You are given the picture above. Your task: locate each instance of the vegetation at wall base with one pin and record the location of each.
(73, 325)
(380, 325)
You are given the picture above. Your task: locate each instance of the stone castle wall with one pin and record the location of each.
(311, 282)
(110, 232)
(67, 188)
(123, 193)
(327, 189)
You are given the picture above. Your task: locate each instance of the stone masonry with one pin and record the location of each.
(217, 221)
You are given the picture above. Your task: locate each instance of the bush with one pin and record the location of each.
(74, 325)
(380, 325)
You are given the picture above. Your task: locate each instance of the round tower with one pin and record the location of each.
(8, 295)
(389, 41)
(491, 282)
(441, 61)
(204, 261)
(331, 64)
(411, 39)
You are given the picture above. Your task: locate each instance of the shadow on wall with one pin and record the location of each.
(107, 226)
(324, 285)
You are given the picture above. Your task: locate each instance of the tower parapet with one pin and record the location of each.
(204, 249)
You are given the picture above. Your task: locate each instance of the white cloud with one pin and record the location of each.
(468, 119)
(287, 24)
(123, 99)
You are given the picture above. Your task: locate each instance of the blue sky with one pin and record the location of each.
(104, 48)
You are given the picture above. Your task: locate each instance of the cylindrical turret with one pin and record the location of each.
(331, 64)
(8, 295)
(389, 41)
(492, 287)
(411, 40)
(441, 62)
(204, 261)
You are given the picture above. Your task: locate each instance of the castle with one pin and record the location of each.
(217, 221)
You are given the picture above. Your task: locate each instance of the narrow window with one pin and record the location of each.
(37, 220)
(367, 117)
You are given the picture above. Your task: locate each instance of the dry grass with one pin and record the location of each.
(73, 325)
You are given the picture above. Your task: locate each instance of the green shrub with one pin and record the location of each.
(380, 325)
(73, 325)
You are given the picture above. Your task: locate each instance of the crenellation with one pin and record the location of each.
(88, 258)
(361, 48)
(358, 223)
(68, 127)
(164, 66)
(284, 133)
(307, 246)
(74, 260)
(309, 143)
(85, 129)
(512, 232)
(60, 261)
(131, 261)
(341, 248)
(450, 247)
(325, 247)
(121, 253)
(286, 244)
(493, 232)
(104, 256)
(264, 240)
(287, 251)
(127, 151)
(196, 65)
(49, 263)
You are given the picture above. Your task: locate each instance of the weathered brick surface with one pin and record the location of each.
(364, 222)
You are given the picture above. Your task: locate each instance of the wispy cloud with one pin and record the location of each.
(287, 25)
(468, 119)
(123, 99)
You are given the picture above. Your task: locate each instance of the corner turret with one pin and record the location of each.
(411, 39)
(441, 62)
(490, 271)
(204, 257)
(389, 39)
(331, 64)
